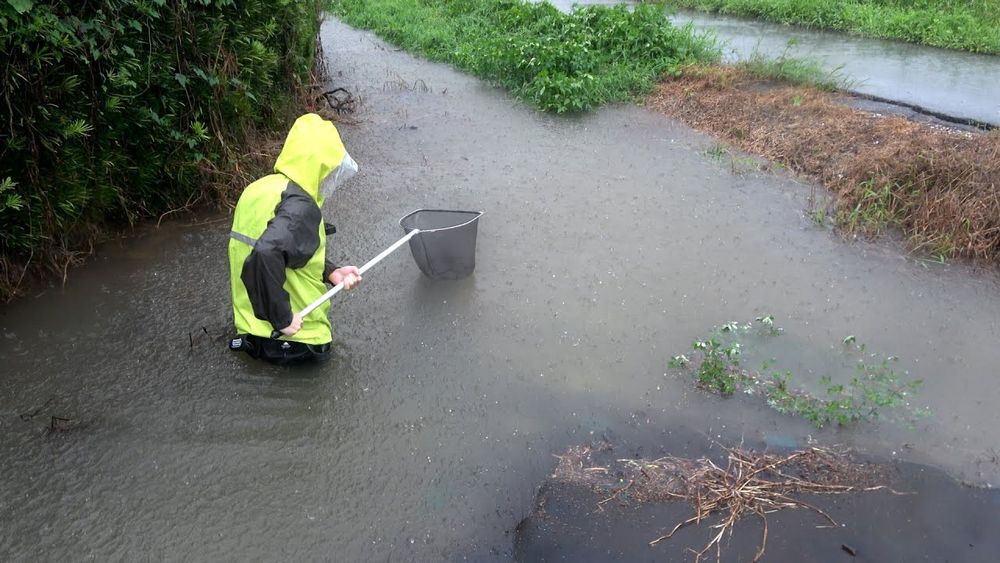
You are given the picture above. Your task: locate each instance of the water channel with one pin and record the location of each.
(610, 242)
(954, 83)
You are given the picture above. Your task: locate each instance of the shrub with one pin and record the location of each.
(112, 108)
(556, 61)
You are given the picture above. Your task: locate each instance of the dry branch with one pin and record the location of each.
(749, 484)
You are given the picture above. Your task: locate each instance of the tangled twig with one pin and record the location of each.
(340, 100)
(749, 484)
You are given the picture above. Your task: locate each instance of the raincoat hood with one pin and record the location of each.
(312, 151)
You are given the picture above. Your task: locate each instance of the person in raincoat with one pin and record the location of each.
(277, 248)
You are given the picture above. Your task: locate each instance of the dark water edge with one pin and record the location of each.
(935, 518)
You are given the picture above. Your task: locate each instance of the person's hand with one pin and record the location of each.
(349, 275)
(296, 325)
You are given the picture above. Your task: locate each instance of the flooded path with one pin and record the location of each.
(954, 83)
(610, 242)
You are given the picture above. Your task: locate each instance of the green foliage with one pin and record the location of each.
(558, 62)
(111, 107)
(716, 371)
(718, 367)
(716, 151)
(970, 25)
(875, 388)
(737, 164)
(879, 208)
(795, 70)
(818, 215)
(9, 199)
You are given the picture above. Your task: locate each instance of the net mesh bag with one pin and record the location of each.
(445, 249)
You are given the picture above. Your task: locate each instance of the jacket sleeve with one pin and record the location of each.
(289, 241)
(328, 265)
(328, 269)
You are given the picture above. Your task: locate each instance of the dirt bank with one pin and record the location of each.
(597, 507)
(941, 186)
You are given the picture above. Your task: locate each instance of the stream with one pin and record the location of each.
(610, 241)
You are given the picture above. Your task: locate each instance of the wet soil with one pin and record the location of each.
(609, 242)
(941, 521)
(900, 511)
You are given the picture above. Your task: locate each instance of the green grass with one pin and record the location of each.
(795, 70)
(737, 164)
(555, 61)
(968, 25)
(878, 209)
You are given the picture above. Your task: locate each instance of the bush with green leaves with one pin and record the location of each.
(559, 62)
(113, 109)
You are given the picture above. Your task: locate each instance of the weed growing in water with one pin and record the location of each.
(737, 164)
(875, 389)
(718, 367)
(716, 151)
(819, 216)
(743, 164)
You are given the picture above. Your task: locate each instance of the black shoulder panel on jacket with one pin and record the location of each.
(289, 241)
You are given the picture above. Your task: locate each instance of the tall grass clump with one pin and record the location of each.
(556, 61)
(114, 110)
(795, 70)
(968, 25)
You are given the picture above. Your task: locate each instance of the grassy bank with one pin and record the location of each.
(558, 62)
(120, 110)
(969, 25)
(940, 187)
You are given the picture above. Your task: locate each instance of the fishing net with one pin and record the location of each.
(445, 249)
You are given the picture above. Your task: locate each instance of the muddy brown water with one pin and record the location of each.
(610, 241)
